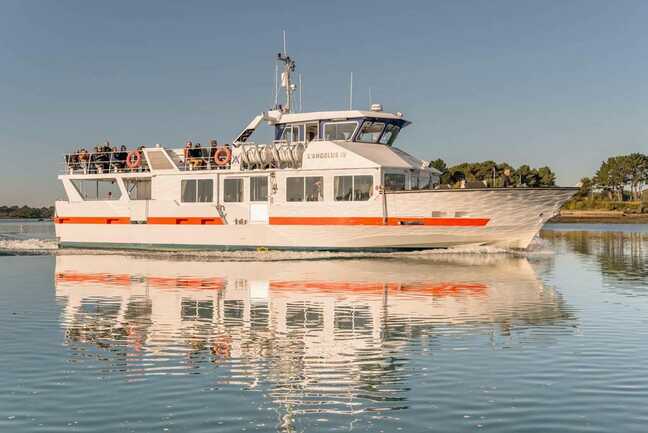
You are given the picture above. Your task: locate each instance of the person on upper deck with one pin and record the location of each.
(196, 156)
(507, 182)
(187, 152)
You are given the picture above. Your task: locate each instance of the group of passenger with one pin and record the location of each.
(197, 157)
(102, 159)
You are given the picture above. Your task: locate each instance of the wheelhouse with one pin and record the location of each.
(372, 127)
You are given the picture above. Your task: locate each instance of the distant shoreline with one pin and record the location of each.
(599, 217)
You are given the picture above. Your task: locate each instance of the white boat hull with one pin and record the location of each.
(507, 218)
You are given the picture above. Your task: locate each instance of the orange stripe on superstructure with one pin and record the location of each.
(186, 220)
(92, 220)
(378, 221)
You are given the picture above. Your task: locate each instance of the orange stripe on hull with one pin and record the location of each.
(378, 221)
(92, 220)
(186, 220)
(307, 221)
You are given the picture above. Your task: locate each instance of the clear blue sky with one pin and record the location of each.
(561, 83)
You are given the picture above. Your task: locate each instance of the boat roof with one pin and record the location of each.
(334, 115)
(353, 155)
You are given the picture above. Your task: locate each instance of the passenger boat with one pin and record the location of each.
(330, 180)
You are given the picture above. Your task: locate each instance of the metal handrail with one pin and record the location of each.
(101, 162)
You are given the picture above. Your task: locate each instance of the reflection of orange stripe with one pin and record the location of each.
(420, 287)
(187, 283)
(111, 279)
(92, 220)
(186, 220)
(217, 283)
(378, 221)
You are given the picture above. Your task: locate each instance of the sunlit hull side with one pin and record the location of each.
(410, 220)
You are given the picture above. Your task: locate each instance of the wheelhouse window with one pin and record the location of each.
(424, 180)
(292, 133)
(97, 189)
(138, 189)
(233, 190)
(353, 188)
(390, 134)
(370, 131)
(339, 130)
(312, 131)
(394, 182)
(259, 188)
(309, 188)
(197, 191)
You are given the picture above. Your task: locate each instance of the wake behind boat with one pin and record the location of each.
(330, 180)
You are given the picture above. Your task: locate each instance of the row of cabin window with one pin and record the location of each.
(398, 181)
(108, 189)
(309, 188)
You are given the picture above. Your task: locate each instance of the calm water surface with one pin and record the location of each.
(555, 340)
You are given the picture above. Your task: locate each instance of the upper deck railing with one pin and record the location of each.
(279, 154)
(134, 161)
(98, 162)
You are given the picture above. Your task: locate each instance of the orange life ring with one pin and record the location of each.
(223, 156)
(136, 162)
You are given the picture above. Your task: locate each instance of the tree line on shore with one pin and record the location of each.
(26, 212)
(493, 174)
(619, 184)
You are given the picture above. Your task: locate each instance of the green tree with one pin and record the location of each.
(546, 176)
(636, 172)
(440, 165)
(611, 176)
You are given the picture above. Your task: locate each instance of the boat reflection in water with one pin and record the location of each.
(332, 336)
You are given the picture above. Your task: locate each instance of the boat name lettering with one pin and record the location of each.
(326, 155)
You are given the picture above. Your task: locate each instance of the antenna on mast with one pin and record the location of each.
(351, 93)
(301, 101)
(288, 68)
(284, 40)
(276, 86)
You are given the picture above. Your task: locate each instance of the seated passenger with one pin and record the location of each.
(119, 158)
(196, 156)
(315, 192)
(187, 153)
(71, 160)
(102, 159)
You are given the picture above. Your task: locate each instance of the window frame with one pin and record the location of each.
(135, 181)
(385, 175)
(97, 180)
(304, 192)
(390, 127)
(303, 189)
(241, 189)
(369, 123)
(267, 193)
(351, 137)
(197, 190)
(353, 187)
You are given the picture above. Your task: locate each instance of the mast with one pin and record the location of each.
(286, 81)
